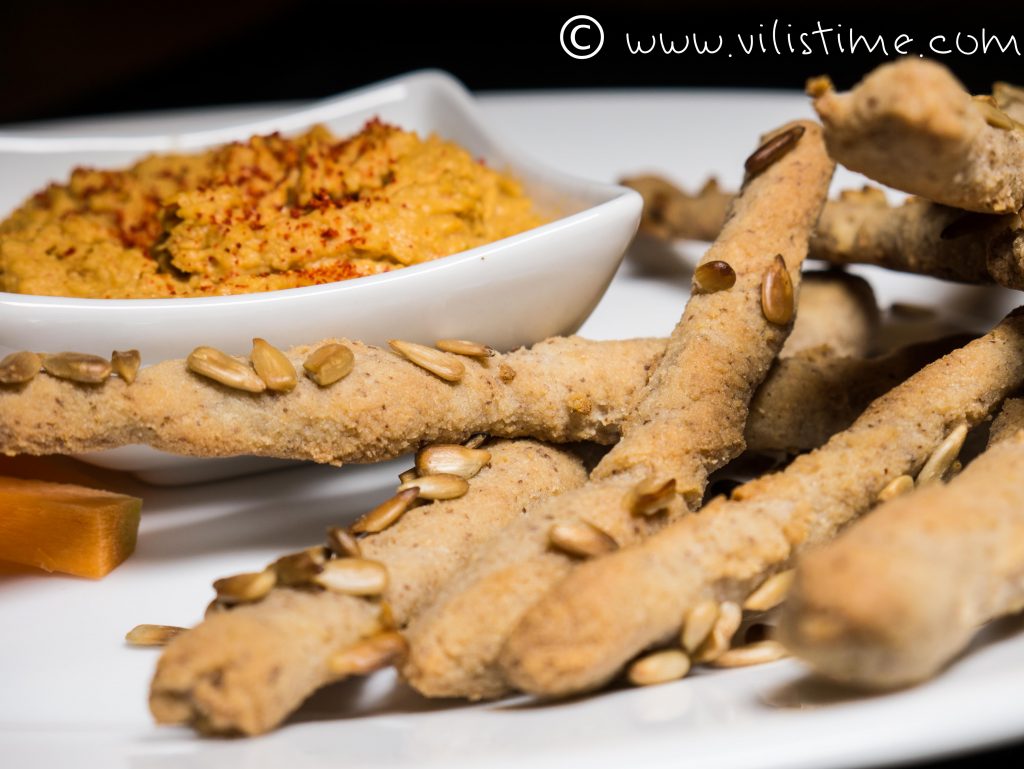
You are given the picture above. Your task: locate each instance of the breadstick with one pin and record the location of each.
(1010, 99)
(895, 598)
(246, 669)
(582, 632)
(920, 237)
(911, 125)
(844, 313)
(688, 421)
(810, 397)
(670, 212)
(564, 389)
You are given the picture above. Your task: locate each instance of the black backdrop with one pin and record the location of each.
(62, 58)
(73, 57)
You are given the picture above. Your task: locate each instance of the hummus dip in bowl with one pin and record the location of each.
(514, 291)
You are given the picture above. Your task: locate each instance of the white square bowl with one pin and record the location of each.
(515, 291)
(512, 292)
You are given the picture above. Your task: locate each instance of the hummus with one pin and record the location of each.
(269, 213)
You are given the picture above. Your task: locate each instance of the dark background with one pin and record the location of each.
(60, 58)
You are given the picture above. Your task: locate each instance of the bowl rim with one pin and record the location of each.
(610, 196)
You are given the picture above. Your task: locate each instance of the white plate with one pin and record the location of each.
(73, 695)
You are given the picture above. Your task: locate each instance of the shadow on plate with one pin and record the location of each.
(813, 691)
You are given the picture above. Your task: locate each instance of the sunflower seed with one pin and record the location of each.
(19, 367)
(730, 615)
(659, 668)
(438, 486)
(353, 576)
(126, 364)
(651, 496)
(77, 367)
(757, 653)
(771, 592)
(245, 588)
(387, 512)
(713, 276)
(298, 569)
(898, 486)
(451, 458)
(476, 441)
(273, 366)
(221, 367)
(777, 293)
(943, 457)
(152, 635)
(368, 655)
(581, 539)
(438, 363)
(464, 347)
(342, 543)
(329, 364)
(994, 116)
(408, 475)
(699, 622)
(772, 150)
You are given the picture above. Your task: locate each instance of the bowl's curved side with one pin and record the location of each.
(511, 293)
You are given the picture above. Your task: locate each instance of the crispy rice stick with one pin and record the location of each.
(860, 227)
(564, 389)
(688, 421)
(911, 125)
(582, 632)
(246, 669)
(895, 598)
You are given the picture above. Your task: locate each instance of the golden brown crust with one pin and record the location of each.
(901, 593)
(911, 125)
(246, 669)
(582, 632)
(688, 421)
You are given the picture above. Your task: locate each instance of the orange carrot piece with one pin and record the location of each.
(66, 528)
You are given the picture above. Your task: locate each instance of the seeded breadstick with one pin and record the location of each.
(670, 212)
(564, 389)
(688, 421)
(910, 124)
(896, 597)
(921, 237)
(582, 632)
(860, 227)
(811, 396)
(246, 669)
